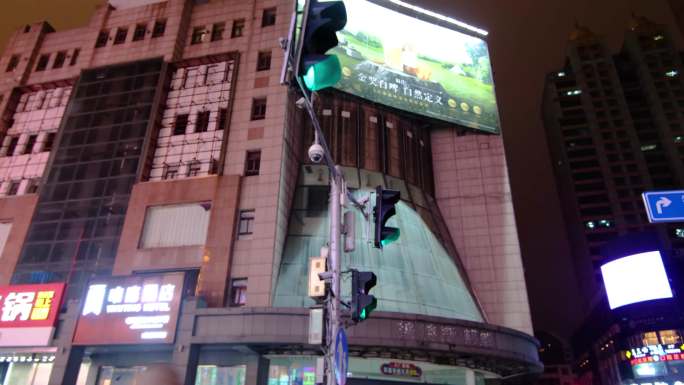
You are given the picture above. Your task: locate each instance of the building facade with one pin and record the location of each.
(152, 161)
(614, 128)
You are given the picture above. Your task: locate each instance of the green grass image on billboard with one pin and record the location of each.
(416, 66)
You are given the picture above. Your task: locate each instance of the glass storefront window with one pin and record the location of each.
(27, 374)
(110, 375)
(670, 337)
(650, 338)
(220, 375)
(292, 371)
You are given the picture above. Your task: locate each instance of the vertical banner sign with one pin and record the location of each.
(130, 309)
(28, 313)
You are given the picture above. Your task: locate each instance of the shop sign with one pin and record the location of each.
(655, 353)
(401, 369)
(27, 358)
(28, 313)
(131, 309)
(658, 383)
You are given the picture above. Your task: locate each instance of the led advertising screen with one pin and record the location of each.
(635, 278)
(418, 66)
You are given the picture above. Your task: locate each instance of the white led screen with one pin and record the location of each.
(635, 278)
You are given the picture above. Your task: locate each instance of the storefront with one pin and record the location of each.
(28, 314)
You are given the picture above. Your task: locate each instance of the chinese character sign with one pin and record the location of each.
(133, 309)
(30, 305)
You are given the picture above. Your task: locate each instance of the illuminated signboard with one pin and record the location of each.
(420, 63)
(658, 383)
(401, 369)
(132, 309)
(655, 353)
(28, 313)
(620, 275)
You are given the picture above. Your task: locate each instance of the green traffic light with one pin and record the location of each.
(365, 312)
(323, 74)
(391, 238)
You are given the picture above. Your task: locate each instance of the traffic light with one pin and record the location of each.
(321, 22)
(385, 200)
(362, 303)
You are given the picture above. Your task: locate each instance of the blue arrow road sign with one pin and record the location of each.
(664, 206)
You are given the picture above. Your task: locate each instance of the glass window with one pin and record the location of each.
(176, 225)
(258, 109)
(670, 337)
(14, 141)
(238, 288)
(197, 35)
(220, 375)
(246, 223)
(42, 62)
(30, 143)
(194, 168)
(238, 28)
(252, 162)
(13, 63)
(139, 33)
(264, 61)
(222, 119)
(170, 171)
(120, 36)
(217, 31)
(60, 58)
(49, 141)
(181, 124)
(14, 187)
(650, 338)
(102, 38)
(159, 28)
(74, 57)
(268, 17)
(202, 122)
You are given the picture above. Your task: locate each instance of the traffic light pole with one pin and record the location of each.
(333, 318)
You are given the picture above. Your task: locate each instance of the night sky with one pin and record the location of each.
(527, 40)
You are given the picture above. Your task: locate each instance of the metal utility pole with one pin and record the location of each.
(333, 316)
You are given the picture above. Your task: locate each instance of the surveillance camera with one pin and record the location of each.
(283, 42)
(316, 153)
(301, 103)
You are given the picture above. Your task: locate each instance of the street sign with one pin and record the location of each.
(341, 357)
(664, 206)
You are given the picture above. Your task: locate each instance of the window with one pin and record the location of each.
(246, 223)
(60, 58)
(181, 124)
(32, 186)
(74, 57)
(139, 33)
(159, 28)
(4, 233)
(13, 187)
(49, 141)
(252, 163)
(120, 36)
(176, 225)
(30, 144)
(194, 168)
(238, 289)
(264, 61)
(102, 39)
(202, 123)
(222, 119)
(13, 63)
(12, 146)
(238, 28)
(197, 35)
(217, 31)
(27, 28)
(258, 109)
(170, 171)
(43, 62)
(268, 17)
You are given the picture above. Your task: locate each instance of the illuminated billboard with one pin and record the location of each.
(635, 278)
(28, 313)
(420, 64)
(131, 309)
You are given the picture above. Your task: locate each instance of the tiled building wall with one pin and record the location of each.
(25, 148)
(196, 90)
(473, 194)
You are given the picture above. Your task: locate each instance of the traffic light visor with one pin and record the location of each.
(322, 73)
